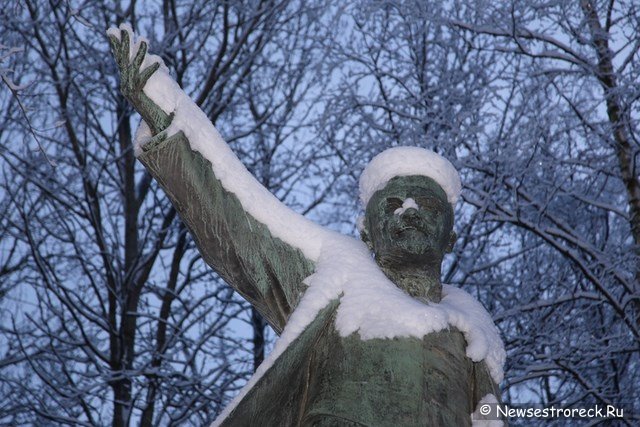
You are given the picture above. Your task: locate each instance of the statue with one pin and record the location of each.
(363, 341)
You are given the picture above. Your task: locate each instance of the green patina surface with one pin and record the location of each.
(263, 269)
(400, 381)
(321, 378)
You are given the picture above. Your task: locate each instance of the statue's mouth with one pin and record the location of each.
(406, 228)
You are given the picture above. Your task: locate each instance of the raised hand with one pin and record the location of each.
(133, 80)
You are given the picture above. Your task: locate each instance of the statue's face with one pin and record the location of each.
(403, 231)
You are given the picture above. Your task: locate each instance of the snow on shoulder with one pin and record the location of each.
(405, 161)
(372, 306)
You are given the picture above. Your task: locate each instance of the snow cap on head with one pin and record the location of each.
(406, 161)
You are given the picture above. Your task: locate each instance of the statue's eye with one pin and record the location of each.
(393, 203)
(428, 203)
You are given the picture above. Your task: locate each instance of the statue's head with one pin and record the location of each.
(409, 194)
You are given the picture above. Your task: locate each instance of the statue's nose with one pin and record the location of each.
(410, 213)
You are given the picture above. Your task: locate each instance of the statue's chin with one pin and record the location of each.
(408, 247)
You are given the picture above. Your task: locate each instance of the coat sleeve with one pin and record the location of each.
(484, 385)
(262, 268)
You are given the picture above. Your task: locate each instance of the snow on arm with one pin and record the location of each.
(203, 138)
(257, 244)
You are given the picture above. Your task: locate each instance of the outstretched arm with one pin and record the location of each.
(264, 269)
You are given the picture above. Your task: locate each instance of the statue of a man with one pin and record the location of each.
(363, 341)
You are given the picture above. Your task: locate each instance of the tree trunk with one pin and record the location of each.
(615, 111)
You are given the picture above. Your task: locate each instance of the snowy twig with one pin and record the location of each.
(14, 89)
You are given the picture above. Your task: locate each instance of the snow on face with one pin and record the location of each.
(405, 161)
(408, 203)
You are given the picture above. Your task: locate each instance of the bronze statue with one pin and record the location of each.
(324, 376)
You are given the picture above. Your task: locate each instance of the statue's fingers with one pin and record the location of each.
(113, 43)
(125, 45)
(115, 49)
(144, 76)
(142, 51)
(125, 81)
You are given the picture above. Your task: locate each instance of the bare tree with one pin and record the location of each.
(120, 322)
(567, 189)
(109, 314)
(12, 256)
(538, 104)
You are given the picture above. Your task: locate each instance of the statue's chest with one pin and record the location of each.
(402, 380)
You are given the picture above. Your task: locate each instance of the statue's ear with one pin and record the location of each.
(452, 241)
(364, 233)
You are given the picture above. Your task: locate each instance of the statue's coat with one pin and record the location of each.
(321, 378)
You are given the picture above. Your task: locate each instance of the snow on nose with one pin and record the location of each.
(408, 203)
